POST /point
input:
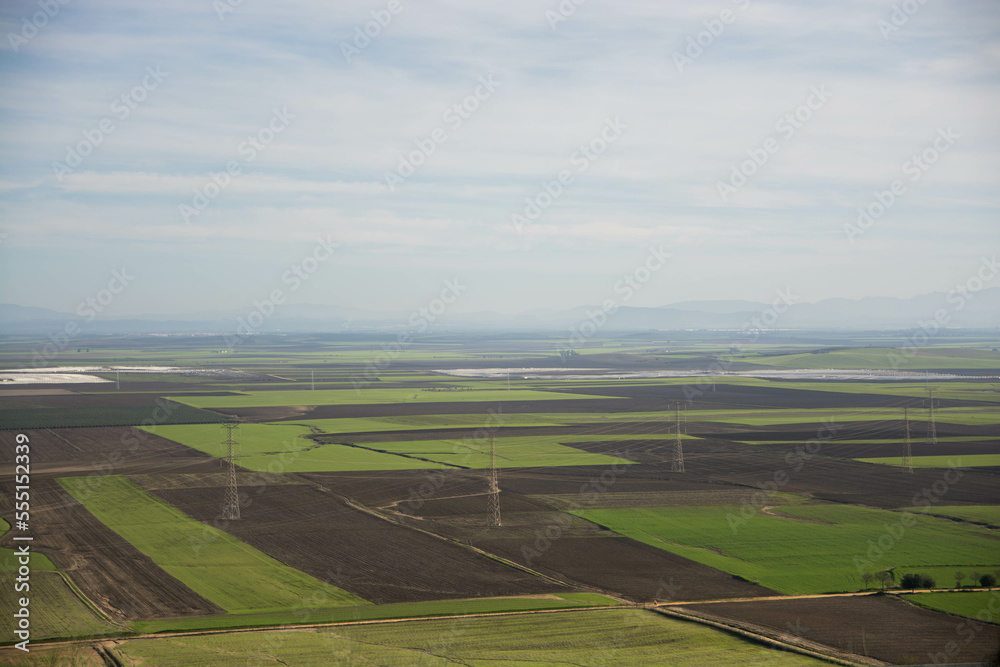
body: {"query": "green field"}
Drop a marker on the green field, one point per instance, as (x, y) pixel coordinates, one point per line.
(365, 396)
(981, 605)
(965, 461)
(211, 562)
(369, 612)
(982, 513)
(599, 637)
(279, 448)
(883, 358)
(811, 548)
(55, 610)
(514, 452)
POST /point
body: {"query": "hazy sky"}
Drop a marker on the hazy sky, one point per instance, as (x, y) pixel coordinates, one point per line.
(116, 114)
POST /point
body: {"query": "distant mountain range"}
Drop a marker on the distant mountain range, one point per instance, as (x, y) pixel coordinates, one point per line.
(972, 310)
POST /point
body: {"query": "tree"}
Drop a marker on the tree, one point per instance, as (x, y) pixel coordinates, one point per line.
(886, 578)
(867, 579)
(916, 580)
(959, 578)
(987, 581)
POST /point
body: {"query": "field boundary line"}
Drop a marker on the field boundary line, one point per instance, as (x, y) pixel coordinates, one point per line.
(773, 642)
(472, 548)
(90, 604)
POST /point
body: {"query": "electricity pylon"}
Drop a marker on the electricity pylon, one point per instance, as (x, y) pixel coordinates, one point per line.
(231, 508)
(907, 451)
(678, 463)
(494, 492)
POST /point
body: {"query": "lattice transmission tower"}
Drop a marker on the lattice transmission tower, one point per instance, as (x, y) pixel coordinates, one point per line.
(907, 451)
(677, 465)
(231, 506)
(494, 491)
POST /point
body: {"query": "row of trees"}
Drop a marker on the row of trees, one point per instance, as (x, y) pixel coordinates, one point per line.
(887, 578)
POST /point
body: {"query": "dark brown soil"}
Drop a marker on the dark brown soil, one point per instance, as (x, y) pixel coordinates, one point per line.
(125, 583)
(881, 627)
(317, 532)
(634, 570)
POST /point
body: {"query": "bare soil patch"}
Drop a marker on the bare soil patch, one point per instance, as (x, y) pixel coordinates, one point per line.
(881, 627)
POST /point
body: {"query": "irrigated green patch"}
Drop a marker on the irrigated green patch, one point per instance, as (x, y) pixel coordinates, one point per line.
(980, 605)
(369, 612)
(375, 395)
(964, 461)
(598, 637)
(809, 548)
(211, 562)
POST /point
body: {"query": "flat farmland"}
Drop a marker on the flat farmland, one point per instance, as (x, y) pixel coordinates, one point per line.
(267, 447)
(620, 565)
(983, 606)
(231, 574)
(883, 627)
(319, 533)
(56, 611)
(598, 637)
(125, 583)
(368, 396)
(805, 548)
(952, 461)
(989, 514)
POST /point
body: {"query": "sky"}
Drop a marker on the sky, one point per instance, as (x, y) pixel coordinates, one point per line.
(207, 155)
